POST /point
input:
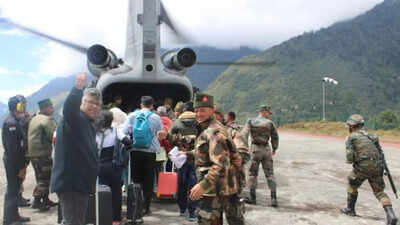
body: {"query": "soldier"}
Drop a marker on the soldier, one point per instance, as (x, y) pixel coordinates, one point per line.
(40, 134)
(14, 160)
(241, 145)
(219, 114)
(178, 110)
(183, 134)
(116, 103)
(24, 122)
(363, 151)
(262, 130)
(168, 104)
(216, 160)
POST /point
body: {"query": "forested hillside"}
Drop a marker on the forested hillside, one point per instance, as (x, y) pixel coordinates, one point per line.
(363, 54)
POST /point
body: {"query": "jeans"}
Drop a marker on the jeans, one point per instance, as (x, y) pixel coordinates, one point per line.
(186, 181)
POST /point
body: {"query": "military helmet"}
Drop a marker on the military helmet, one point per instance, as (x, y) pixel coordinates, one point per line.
(17, 103)
(355, 119)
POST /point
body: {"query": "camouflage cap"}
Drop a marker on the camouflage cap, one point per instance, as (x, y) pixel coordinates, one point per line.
(265, 108)
(355, 119)
(179, 107)
(203, 100)
(44, 103)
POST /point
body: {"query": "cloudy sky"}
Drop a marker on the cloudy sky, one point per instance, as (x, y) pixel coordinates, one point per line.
(27, 62)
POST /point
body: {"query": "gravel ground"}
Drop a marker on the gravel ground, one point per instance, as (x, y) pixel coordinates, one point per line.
(311, 176)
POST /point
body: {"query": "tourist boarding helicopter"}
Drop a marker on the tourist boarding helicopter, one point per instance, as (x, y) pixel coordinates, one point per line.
(143, 70)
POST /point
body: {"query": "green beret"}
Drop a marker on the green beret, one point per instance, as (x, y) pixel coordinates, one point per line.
(203, 100)
(44, 103)
(265, 108)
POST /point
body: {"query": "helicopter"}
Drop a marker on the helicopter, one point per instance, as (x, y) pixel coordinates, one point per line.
(143, 70)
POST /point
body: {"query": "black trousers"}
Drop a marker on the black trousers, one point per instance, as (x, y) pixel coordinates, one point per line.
(186, 181)
(10, 213)
(142, 170)
(111, 176)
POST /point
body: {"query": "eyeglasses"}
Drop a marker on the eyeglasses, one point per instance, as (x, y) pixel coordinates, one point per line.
(93, 103)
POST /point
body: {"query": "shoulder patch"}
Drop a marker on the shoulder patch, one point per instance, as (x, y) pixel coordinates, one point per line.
(12, 128)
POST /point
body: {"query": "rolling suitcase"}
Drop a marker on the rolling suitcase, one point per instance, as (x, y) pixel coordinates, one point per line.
(135, 200)
(167, 186)
(99, 212)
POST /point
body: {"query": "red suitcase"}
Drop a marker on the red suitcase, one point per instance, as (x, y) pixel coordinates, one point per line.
(167, 186)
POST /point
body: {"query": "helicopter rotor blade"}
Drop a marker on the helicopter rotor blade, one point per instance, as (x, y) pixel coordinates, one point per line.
(268, 64)
(167, 20)
(68, 44)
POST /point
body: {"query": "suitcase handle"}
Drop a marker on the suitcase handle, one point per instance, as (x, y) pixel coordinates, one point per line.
(172, 169)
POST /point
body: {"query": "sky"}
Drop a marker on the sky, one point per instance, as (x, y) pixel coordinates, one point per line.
(28, 62)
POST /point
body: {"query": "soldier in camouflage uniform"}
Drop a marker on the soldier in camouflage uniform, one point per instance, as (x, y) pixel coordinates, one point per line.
(234, 130)
(216, 160)
(183, 134)
(362, 150)
(168, 104)
(262, 130)
(241, 145)
(178, 110)
(40, 134)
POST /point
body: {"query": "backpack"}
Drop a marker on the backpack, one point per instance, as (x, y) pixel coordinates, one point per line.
(121, 153)
(141, 132)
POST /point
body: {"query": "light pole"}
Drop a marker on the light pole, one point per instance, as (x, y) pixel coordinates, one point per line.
(325, 80)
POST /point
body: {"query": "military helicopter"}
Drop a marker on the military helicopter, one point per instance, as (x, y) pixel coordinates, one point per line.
(143, 70)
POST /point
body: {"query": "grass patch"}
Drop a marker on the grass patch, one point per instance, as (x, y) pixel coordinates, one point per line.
(338, 129)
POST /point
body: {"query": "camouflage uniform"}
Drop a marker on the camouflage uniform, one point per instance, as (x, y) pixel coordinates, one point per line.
(362, 151)
(216, 160)
(241, 145)
(40, 134)
(261, 130)
(367, 165)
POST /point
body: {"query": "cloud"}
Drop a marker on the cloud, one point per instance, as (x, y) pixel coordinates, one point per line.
(6, 94)
(13, 32)
(5, 71)
(222, 23)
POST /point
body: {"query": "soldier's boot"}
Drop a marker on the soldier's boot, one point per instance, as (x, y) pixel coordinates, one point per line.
(351, 203)
(274, 201)
(391, 218)
(252, 199)
(48, 202)
(38, 204)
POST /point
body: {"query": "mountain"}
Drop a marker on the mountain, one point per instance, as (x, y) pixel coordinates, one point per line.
(202, 76)
(3, 109)
(363, 54)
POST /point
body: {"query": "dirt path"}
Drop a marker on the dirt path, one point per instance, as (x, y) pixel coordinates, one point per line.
(311, 176)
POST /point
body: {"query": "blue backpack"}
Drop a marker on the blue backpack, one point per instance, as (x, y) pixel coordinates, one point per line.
(141, 132)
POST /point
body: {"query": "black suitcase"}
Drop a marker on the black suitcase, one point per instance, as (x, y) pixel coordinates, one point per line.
(135, 201)
(99, 208)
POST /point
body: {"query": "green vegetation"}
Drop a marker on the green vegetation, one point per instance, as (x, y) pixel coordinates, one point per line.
(363, 54)
(337, 129)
